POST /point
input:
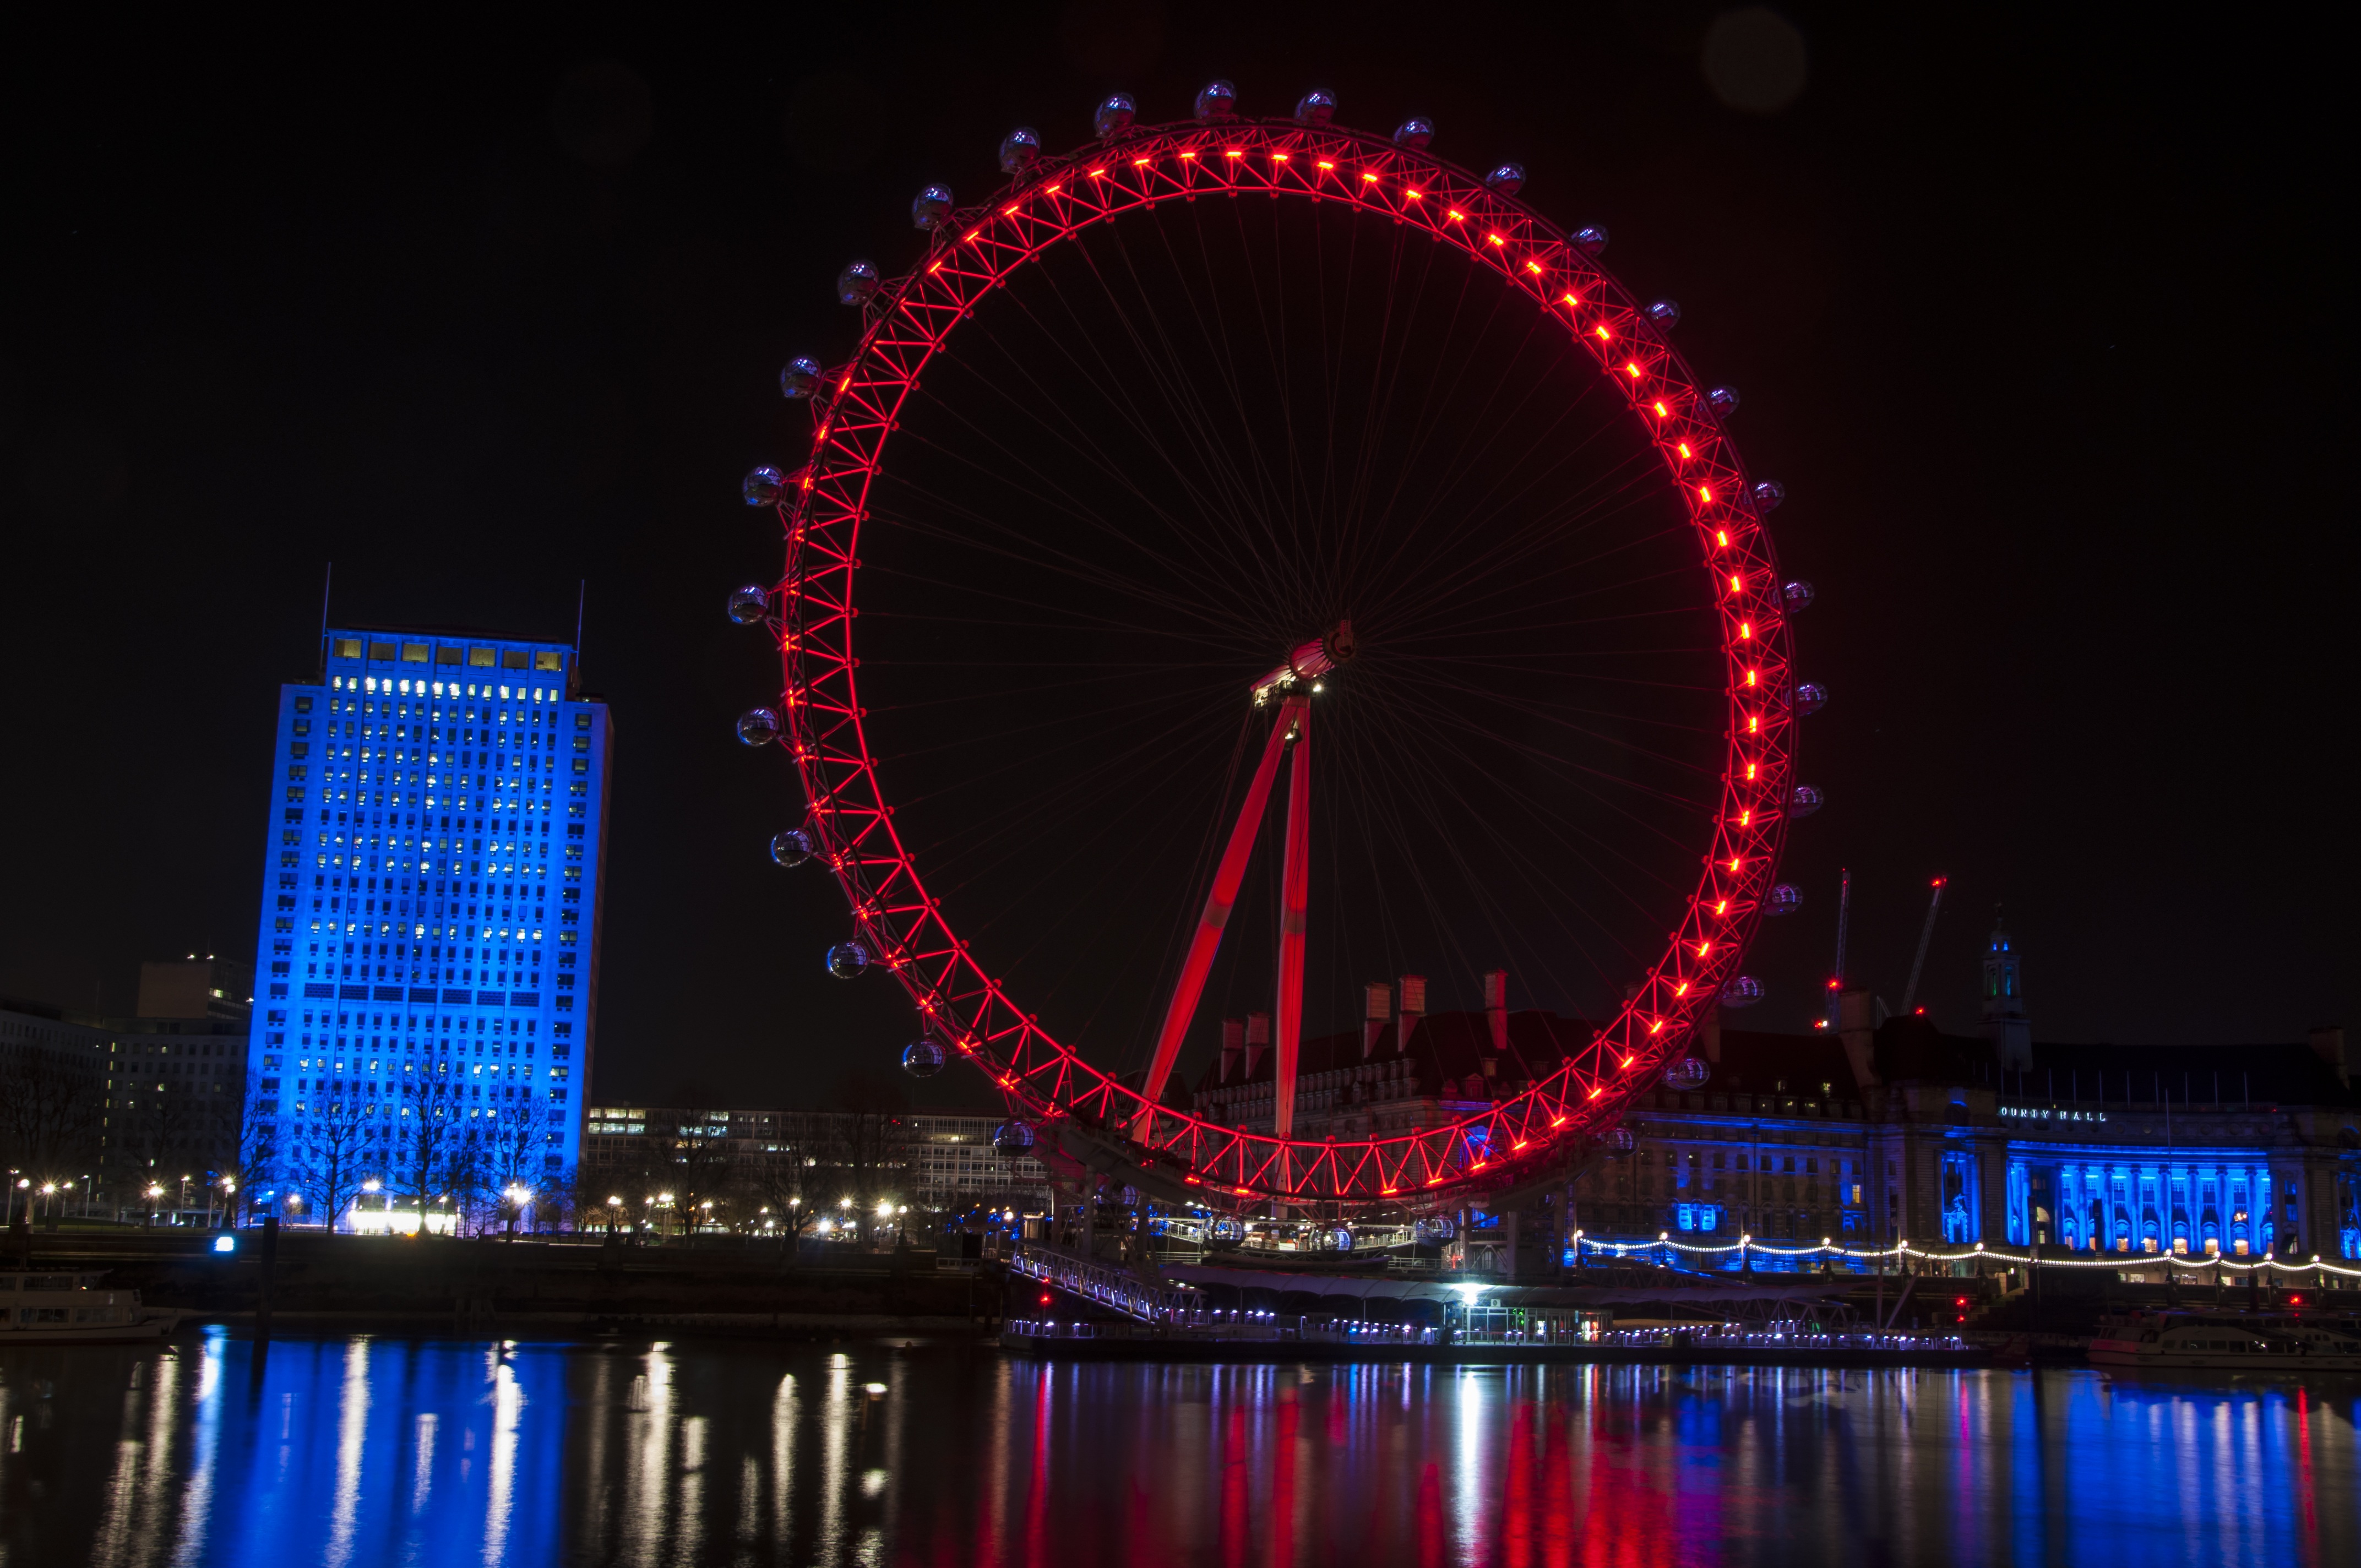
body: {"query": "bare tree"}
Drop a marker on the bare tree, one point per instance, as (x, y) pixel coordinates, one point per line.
(865, 1133)
(512, 1147)
(49, 1115)
(587, 1190)
(256, 1159)
(161, 1137)
(48, 1112)
(466, 1174)
(326, 1157)
(701, 1167)
(782, 1184)
(422, 1151)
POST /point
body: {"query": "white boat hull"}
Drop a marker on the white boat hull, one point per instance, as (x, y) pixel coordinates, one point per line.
(152, 1326)
(2131, 1356)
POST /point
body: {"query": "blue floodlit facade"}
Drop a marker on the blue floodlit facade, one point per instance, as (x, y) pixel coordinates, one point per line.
(2194, 1202)
(1884, 1130)
(429, 940)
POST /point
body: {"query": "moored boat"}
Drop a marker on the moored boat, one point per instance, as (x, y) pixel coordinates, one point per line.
(2177, 1342)
(45, 1307)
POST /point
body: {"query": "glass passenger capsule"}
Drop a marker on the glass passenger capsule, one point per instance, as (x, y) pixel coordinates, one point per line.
(758, 726)
(799, 378)
(1804, 801)
(1799, 595)
(1665, 313)
(1113, 116)
(763, 487)
(1591, 240)
(1414, 133)
(1722, 400)
(1810, 697)
(750, 605)
(1786, 899)
(922, 1058)
(931, 206)
(857, 285)
(1768, 495)
(1508, 179)
(847, 959)
(792, 846)
(1019, 149)
(1744, 990)
(1217, 101)
(1315, 108)
(1619, 1143)
(1688, 1074)
(1013, 1139)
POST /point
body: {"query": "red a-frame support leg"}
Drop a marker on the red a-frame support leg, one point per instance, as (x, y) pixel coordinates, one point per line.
(1294, 719)
(1295, 897)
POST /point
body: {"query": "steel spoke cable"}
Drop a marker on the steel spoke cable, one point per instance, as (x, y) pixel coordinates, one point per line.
(1458, 720)
(1427, 800)
(1555, 823)
(1440, 786)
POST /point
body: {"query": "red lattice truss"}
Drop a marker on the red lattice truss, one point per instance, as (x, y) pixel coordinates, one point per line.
(914, 317)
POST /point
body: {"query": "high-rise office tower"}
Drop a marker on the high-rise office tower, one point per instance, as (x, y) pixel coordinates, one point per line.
(427, 965)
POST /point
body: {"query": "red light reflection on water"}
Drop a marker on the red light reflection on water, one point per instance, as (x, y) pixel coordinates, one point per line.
(1575, 1467)
(384, 1453)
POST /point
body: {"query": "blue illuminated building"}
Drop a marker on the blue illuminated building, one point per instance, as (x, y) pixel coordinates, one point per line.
(425, 1009)
(1888, 1129)
(1881, 1130)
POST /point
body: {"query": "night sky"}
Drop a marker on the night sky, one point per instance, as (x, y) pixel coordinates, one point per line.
(2041, 323)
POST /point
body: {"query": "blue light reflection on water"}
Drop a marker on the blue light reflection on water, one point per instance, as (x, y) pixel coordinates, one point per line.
(360, 1452)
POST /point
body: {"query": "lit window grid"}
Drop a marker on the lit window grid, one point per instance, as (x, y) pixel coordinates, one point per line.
(398, 726)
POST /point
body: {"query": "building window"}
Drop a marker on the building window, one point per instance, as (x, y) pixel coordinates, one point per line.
(1959, 1197)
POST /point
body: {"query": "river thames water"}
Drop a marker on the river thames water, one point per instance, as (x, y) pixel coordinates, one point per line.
(361, 1451)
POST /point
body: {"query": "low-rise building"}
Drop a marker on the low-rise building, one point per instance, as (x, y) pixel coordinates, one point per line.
(936, 1160)
(1885, 1129)
(115, 1106)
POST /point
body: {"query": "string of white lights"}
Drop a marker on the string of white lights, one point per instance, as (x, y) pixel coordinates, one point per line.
(1979, 1253)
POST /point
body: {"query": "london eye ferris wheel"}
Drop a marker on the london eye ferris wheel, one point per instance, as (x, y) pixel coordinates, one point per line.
(1247, 558)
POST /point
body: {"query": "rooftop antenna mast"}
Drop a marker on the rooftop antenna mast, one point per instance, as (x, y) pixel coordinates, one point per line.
(1844, 918)
(327, 587)
(1925, 933)
(581, 598)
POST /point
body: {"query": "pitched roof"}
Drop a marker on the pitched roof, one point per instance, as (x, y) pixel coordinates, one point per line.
(1443, 1045)
(2202, 1075)
(1758, 1061)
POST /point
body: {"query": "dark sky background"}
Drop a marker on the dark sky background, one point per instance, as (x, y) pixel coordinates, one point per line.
(2040, 320)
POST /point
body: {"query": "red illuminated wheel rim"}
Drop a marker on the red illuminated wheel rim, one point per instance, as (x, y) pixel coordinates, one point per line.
(913, 323)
